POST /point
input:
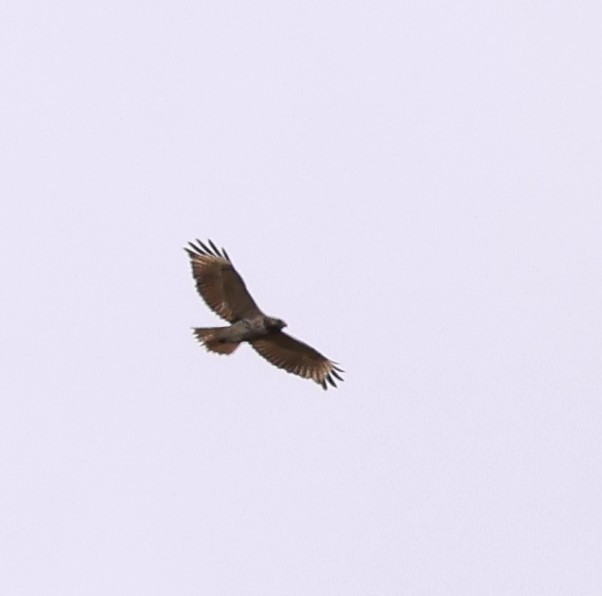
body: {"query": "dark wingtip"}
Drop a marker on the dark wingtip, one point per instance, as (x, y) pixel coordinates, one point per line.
(216, 251)
(209, 249)
(331, 381)
(199, 247)
(336, 375)
(206, 249)
(193, 250)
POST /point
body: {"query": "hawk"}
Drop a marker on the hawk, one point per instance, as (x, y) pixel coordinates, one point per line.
(225, 292)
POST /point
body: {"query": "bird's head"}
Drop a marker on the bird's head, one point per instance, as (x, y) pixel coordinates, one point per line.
(276, 324)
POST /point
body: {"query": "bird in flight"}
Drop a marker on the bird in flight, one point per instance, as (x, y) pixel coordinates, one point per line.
(225, 292)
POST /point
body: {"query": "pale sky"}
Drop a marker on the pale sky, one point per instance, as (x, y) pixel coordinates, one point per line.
(415, 187)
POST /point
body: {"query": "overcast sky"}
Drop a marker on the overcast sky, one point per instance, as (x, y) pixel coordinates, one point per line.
(415, 187)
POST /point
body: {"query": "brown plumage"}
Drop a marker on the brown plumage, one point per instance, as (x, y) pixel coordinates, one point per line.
(225, 292)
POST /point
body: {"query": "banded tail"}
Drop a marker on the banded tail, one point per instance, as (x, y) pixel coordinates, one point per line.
(214, 339)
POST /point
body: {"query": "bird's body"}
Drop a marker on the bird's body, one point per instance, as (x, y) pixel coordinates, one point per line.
(248, 330)
(224, 291)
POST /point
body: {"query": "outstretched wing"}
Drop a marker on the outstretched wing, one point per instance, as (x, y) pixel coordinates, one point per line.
(219, 284)
(298, 358)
